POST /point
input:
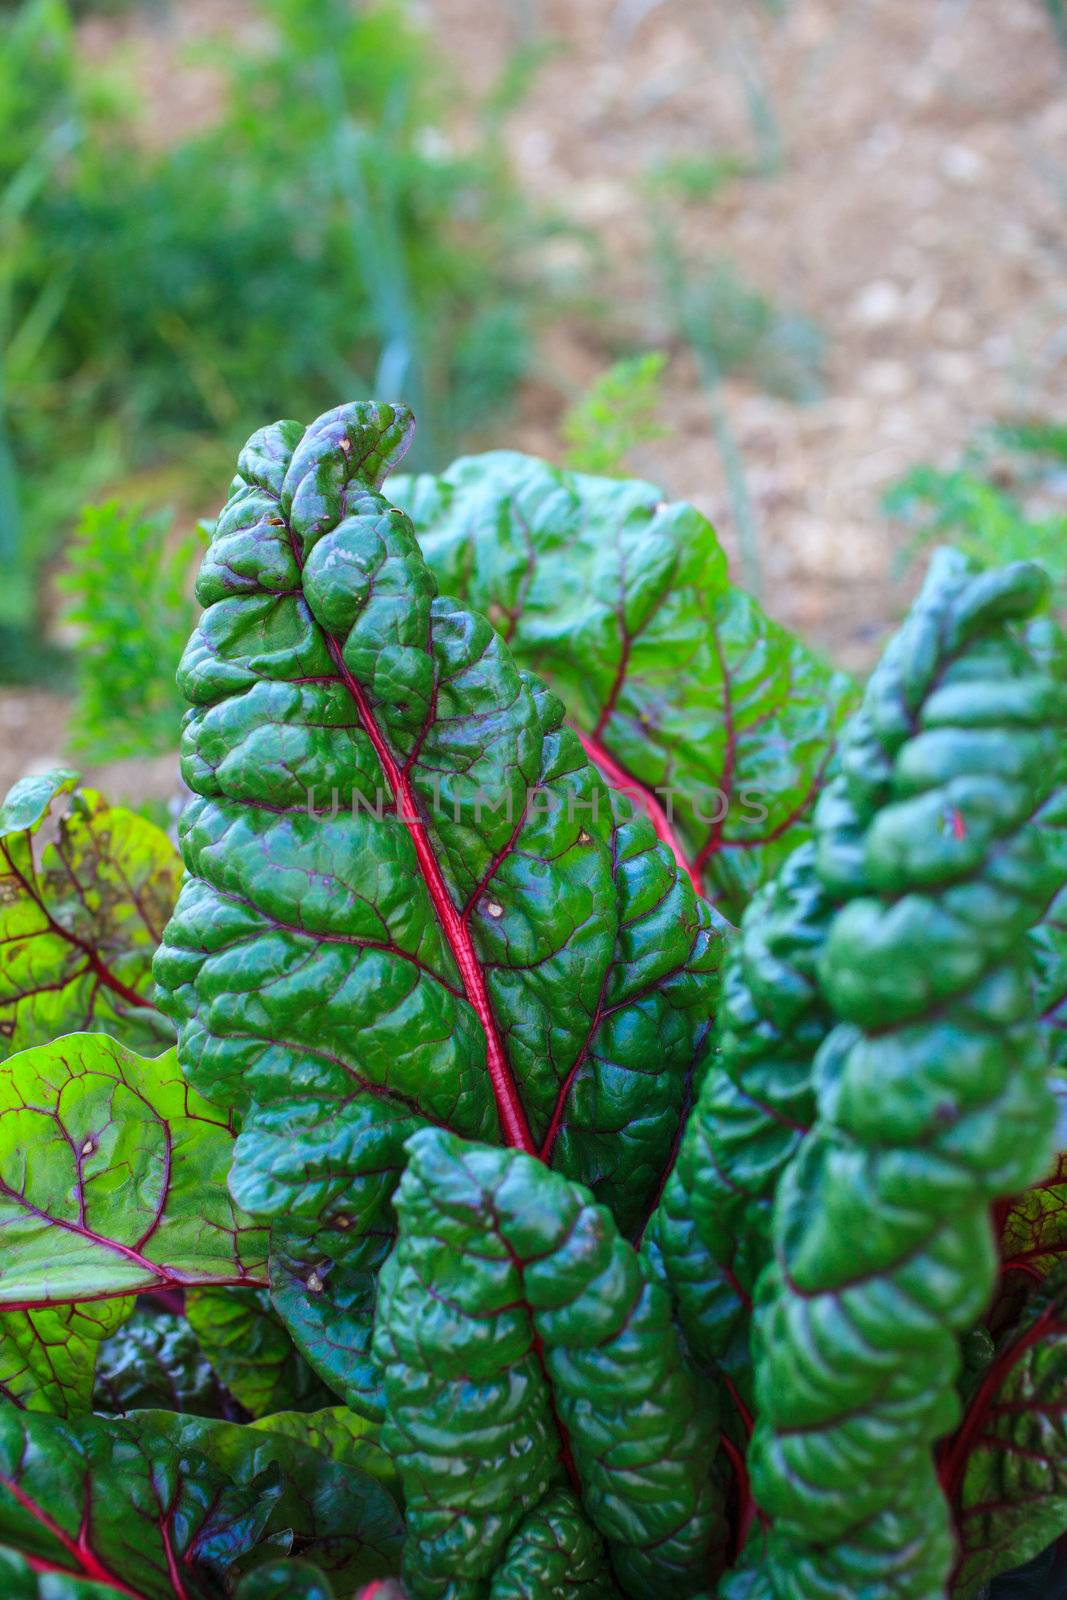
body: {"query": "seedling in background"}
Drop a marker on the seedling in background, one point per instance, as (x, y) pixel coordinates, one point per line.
(322, 230)
(622, 410)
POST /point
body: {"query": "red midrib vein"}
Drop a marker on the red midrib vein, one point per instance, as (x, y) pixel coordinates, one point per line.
(88, 1563)
(953, 1464)
(620, 779)
(513, 1121)
(96, 964)
(509, 1106)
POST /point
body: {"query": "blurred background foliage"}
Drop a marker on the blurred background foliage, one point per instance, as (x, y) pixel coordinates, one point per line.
(345, 220)
(323, 237)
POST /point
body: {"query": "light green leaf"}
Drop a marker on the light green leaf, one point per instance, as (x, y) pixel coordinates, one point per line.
(112, 1179)
(81, 914)
(48, 1356)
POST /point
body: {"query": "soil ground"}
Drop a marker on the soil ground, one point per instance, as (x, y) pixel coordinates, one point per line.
(917, 215)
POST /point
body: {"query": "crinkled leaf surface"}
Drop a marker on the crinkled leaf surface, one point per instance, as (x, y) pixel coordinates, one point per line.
(156, 1362)
(1049, 939)
(522, 1344)
(81, 914)
(112, 1179)
(931, 1090)
(712, 1230)
(554, 1554)
(48, 1356)
(248, 1346)
(1005, 1472)
(1050, 954)
(324, 1280)
(473, 940)
(112, 1501)
(719, 723)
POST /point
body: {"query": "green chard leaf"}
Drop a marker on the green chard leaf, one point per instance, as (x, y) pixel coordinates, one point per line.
(1005, 1472)
(554, 1555)
(931, 1092)
(471, 938)
(1049, 942)
(1033, 1227)
(114, 1503)
(341, 1434)
(524, 1348)
(155, 1361)
(112, 1179)
(712, 1231)
(247, 1345)
(708, 715)
(48, 1356)
(327, 1509)
(81, 914)
(160, 1505)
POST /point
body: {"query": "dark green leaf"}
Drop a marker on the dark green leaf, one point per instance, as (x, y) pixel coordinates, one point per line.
(80, 917)
(931, 1091)
(554, 1555)
(114, 1502)
(340, 1435)
(522, 1344)
(19, 1581)
(1050, 957)
(472, 940)
(299, 1580)
(335, 1514)
(155, 1361)
(713, 1227)
(289, 1580)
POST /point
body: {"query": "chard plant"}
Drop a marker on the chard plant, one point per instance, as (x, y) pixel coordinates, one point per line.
(461, 1207)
